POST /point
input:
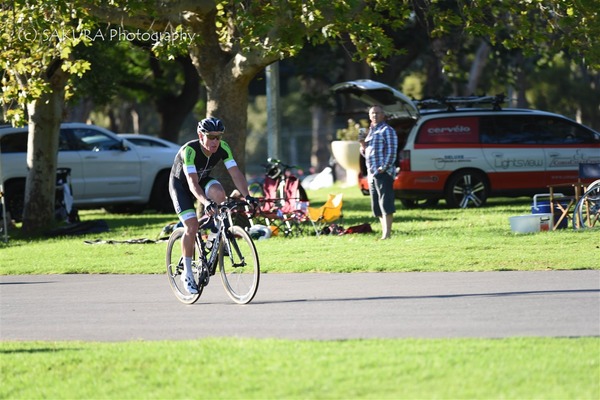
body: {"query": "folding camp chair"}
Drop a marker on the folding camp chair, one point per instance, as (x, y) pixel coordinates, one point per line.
(329, 212)
(283, 210)
(562, 206)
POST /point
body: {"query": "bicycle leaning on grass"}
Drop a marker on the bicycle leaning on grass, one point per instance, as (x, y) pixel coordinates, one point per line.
(227, 245)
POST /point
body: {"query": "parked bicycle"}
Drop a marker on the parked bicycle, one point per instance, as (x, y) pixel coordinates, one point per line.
(282, 200)
(227, 245)
(587, 210)
(277, 174)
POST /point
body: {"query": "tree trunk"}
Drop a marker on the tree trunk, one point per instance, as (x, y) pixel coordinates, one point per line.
(521, 82)
(45, 115)
(227, 76)
(225, 102)
(477, 67)
(322, 135)
(175, 107)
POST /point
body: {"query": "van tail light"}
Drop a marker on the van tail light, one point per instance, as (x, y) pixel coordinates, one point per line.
(404, 160)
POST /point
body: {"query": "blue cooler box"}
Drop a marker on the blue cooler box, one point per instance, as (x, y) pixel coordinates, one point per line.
(543, 207)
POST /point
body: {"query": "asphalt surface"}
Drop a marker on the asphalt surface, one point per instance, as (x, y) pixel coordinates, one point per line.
(305, 306)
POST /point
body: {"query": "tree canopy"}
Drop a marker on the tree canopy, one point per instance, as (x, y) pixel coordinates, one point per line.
(230, 42)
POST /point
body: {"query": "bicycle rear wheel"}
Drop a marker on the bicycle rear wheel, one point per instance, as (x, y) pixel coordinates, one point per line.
(175, 268)
(587, 210)
(239, 265)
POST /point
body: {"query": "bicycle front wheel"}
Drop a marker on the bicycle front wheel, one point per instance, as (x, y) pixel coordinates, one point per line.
(238, 262)
(175, 268)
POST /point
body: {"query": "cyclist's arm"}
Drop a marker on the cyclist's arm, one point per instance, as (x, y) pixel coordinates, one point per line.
(239, 180)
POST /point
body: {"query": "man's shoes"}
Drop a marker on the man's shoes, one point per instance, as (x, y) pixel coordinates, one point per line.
(189, 284)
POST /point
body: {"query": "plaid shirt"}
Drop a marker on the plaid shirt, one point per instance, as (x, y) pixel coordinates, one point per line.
(381, 149)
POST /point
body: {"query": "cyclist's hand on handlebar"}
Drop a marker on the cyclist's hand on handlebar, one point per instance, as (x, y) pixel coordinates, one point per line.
(251, 201)
(210, 207)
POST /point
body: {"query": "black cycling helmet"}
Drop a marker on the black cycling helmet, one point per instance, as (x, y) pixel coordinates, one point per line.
(212, 124)
(274, 171)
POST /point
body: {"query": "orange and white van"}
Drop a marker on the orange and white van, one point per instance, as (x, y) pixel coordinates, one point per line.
(466, 154)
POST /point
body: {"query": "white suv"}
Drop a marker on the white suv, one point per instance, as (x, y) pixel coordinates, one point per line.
(465, 155)
(106, 170)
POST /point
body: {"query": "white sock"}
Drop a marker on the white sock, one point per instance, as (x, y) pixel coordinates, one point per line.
(187, 266)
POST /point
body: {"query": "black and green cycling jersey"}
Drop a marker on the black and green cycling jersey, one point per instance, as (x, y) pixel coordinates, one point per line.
(190, 158)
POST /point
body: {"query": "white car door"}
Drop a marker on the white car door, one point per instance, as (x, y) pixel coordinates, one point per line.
(109, 171)
(69, 157)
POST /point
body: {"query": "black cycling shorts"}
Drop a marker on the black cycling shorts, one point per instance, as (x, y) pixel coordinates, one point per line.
(183, 199)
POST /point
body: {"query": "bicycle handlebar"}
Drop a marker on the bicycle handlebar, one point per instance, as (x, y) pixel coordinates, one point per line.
(231, 203)
(272, 162)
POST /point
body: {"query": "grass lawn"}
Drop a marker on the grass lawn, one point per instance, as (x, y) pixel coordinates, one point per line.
(229, 368)
(436, 239)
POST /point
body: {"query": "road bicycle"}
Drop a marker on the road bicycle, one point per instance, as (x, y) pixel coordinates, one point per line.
(277, 174)
(282, 200)
(225, 244)
(587, 210)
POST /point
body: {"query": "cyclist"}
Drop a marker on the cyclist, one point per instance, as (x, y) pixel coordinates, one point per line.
(190, 180)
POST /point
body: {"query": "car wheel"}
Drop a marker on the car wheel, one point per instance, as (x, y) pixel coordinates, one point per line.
(467, 189)
(160, 199)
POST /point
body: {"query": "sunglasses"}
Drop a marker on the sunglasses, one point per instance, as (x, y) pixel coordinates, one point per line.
(212, 137)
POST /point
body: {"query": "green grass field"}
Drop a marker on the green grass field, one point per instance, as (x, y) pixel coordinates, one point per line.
(436, 239)
(515, 368)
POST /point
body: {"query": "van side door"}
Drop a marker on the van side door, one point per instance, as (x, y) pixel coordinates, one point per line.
(567, 144)
(512, 148)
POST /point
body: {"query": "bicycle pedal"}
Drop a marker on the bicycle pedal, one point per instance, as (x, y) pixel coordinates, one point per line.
(204, 282)
(204, 277)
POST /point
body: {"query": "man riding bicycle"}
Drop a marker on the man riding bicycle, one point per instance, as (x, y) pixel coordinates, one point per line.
(190, 180)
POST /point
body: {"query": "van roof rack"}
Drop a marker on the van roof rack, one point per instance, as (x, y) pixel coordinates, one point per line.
(451, 103)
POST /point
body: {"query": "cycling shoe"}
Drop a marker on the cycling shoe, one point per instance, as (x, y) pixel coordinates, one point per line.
(189, 284)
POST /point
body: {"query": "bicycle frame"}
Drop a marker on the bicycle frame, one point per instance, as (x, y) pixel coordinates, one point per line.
(222, 220)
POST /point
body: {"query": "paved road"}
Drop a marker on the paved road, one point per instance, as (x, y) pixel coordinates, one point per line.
(305, 306)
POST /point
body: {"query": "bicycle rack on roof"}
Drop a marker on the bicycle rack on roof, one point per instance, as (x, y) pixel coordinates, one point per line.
(451, 103)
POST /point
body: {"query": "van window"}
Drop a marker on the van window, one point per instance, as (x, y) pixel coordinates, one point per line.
(510, 129)
(562, 131)
(449, 130)
(533, 129)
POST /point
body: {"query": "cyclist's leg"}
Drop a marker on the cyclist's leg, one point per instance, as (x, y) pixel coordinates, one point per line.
(183, 201)
(214, 190)
(188, 242)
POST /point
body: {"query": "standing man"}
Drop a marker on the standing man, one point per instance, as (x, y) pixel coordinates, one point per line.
(380, 149)
(190, 181)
